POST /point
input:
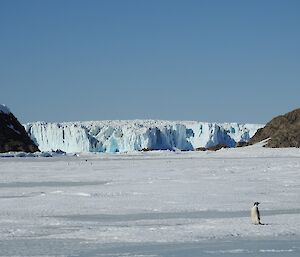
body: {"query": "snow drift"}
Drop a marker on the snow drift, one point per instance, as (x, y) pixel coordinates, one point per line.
(136, 135)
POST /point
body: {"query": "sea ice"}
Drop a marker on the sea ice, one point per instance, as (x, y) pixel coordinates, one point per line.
(151, 204)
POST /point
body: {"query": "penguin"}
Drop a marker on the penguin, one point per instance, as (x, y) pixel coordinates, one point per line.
(255, 216)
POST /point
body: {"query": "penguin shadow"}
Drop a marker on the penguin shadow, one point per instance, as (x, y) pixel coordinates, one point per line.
(267, 213)
(265, 224)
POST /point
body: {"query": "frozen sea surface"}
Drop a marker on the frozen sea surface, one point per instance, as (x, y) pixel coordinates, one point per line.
(151, 204)
(213, 248)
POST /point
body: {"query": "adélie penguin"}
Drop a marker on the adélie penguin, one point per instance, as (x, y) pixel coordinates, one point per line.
(255, 216)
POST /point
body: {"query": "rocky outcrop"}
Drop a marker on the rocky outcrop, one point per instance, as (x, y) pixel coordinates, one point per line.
(282, 131)
(13, 137)
(212, 148)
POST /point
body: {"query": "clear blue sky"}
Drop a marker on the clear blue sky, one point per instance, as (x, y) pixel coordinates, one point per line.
(64, 60)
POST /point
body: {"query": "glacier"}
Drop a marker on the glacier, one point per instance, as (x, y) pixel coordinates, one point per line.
(136, 135)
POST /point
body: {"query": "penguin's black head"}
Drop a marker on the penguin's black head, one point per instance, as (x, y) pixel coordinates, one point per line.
(256, 203)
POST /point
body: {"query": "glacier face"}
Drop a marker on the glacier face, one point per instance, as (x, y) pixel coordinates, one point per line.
(136, 135)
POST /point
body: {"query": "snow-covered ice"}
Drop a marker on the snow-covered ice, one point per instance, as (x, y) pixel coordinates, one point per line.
(136, 135)
(151, 204)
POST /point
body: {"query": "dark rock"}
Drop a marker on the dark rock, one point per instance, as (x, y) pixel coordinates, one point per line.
(282, 131)
(241, 144)
(201, 149)
(13, 137)
(212, 148)
(217, 147)
(146, 150)
(58, 151)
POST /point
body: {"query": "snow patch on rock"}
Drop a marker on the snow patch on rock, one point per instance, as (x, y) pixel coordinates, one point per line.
(4, 109)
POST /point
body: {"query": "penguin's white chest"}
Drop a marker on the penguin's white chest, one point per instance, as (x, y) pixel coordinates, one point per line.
(255, 215)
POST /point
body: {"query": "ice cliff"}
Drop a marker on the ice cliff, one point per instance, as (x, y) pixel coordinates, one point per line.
(136, 135)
